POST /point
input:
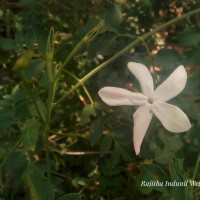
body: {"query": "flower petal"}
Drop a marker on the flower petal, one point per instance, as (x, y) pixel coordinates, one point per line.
(142, 118)
(143, 76)
(172, 86)
(114, 96)
(172, 117)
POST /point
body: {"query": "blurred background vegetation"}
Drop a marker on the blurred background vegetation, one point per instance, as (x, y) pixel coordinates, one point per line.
(91, 152)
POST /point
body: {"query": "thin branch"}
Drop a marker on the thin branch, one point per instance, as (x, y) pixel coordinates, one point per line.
(78, 153)
(127, 48)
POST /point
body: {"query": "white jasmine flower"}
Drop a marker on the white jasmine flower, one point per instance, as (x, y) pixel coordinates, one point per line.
(151, 101)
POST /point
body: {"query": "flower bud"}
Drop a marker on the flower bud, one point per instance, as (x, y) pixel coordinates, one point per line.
(23, 61)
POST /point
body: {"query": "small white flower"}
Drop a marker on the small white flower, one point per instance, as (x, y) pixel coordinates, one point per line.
(151, 101)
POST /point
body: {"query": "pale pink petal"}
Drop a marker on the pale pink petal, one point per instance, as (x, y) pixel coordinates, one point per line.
(172, 117)
(143, 76)
(114, 96)
(172, 86)
(142, 118)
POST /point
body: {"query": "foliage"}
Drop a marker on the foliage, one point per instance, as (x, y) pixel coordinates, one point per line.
(58, 140)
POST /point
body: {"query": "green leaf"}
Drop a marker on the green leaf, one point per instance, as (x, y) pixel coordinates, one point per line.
(21, 111)
(189, 190)
(41, 106)
(23, 61)
(142, 58)
(27, 3)
(1, 13)
(151, 174)
(62, 51)
(44, 81)
(173, 173)
(105, 145)
(189, 193)
(19, 39)
(96, 131)
(30, 134)
(148, 3)
(88, 111)
(7, 44)
(96, 47)
(161, 156)
(16, 162)
(191, 57)
(36, 183)
(30, 38)
(168, 58)
(126, 154)
(166, 197)
(18, 94)
(193, 132)
(109, 169)
(177, 192)
(144, 190)
(113, 17)
(189, 37)
(6, 119)
(171, 143)
(4, 103)
(14, 90)
(43, 41)
(70, 196)
(115, 154)
(35, 69)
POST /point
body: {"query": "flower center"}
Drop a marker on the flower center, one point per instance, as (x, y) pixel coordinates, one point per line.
(150, 100)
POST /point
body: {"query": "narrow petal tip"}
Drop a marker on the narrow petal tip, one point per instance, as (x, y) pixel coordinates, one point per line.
(142, 118)
(137, 150)
(173, 85)
(186, 126)
(143, 75)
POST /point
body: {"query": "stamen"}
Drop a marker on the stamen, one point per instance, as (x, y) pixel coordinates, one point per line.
(150, 100)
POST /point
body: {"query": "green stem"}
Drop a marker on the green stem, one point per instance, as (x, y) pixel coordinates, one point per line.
(46, 142)
(47, 155)
(52, 89)
(52, 76)
(88, 94)
(50, 102)
(152, 58)
(49, 68)
(2, 186)
(196, 167)
(126, 35)
(127, 48)
(51, 94)
(27, 85)
(147, 48)
(75, 49)
(88, 37)
(84, 88)
(9, 153)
